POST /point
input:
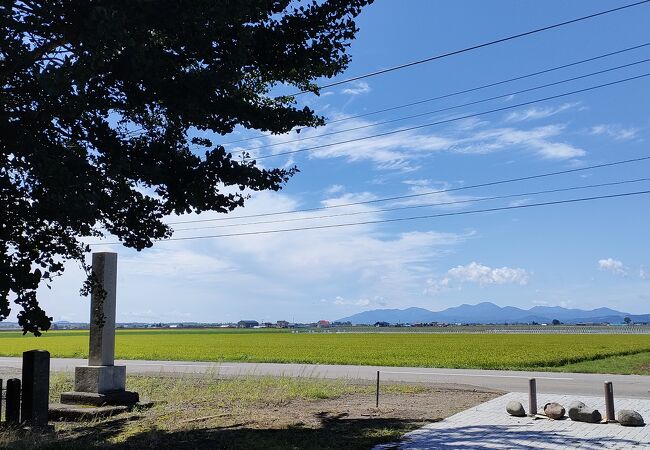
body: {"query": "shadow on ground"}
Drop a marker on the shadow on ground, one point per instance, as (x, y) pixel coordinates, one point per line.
(336, 432)
(505, 437)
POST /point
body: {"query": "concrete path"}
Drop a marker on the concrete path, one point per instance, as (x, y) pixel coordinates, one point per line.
(631, 386)
(488, 426)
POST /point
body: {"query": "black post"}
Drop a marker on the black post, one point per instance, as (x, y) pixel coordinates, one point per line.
(377, 398)
(36, 387)
(609, 402)
(12, 414)
(532, 397)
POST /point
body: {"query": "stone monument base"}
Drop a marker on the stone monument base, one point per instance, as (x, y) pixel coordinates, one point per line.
(100, 386)
(126, 398)
(99, 379)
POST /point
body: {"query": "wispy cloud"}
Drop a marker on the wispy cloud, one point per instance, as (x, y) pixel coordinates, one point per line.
(616, 132)
(358, 88)
(421, 187)
(334, 189)
(363, 302)
(400, 150)
(541, 140)
(536, 113)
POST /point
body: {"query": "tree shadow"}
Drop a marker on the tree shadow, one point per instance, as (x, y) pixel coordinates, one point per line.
(504, 437)
(336, 432)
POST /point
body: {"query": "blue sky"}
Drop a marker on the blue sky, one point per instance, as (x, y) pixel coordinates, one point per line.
(578, 255)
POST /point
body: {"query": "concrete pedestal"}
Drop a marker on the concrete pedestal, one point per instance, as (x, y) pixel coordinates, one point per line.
(99, 379)
(123, 398)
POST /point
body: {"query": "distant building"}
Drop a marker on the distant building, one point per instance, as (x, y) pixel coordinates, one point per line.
(248, 324)
(282, 324)
(382, 324)
(323, 324)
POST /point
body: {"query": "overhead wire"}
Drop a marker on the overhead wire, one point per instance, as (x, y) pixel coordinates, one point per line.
(422, 194)
(463, 91)
(426, 205)
(454, 119)
(476, 46)
(449, 108)
(399, 219)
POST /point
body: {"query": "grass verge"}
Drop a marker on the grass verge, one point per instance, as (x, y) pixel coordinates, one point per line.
(634, 364)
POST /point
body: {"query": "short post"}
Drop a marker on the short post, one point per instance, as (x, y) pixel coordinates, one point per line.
(377, 397)
(36, 387)
(532, 397)
(609, 402)
(12, 412)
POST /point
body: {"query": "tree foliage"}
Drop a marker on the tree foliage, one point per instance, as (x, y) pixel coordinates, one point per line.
(104, 109)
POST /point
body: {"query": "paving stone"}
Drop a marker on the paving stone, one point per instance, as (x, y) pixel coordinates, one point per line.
(487, 426)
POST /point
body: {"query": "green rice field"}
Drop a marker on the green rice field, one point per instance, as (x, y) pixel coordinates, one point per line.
(591, 353)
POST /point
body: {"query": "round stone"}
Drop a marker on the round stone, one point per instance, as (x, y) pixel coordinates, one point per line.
(554, 410)
(629, 418)
(515, 409)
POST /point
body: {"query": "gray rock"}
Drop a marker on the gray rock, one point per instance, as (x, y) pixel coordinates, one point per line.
(554, 410)
(515, 409)
(580, 412)
(629, 418)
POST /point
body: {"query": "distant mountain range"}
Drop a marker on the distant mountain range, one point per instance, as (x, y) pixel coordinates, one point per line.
(487, 313)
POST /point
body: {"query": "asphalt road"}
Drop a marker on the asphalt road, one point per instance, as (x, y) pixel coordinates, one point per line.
(626, 386)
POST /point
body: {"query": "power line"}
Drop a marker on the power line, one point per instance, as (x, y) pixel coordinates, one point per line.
(400, 219)
(476, 47)
(449, 108)
(485, 86)
(464, 91)
(428, 205)
(422, 194)
(455, 119)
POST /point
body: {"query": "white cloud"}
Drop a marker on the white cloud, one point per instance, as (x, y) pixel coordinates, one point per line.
(643, 274)
(616, 132)
(536, 113)
(175, 262)
(478, 273)
(612, 265)
(362, 302)
(557, 150)
(276, 275)
(335, 189)
(358, 88)
(434, 285)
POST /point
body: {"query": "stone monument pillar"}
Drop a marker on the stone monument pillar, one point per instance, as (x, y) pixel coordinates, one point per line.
(101, 382)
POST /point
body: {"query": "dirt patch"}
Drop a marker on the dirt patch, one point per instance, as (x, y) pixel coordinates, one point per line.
(432, 404)
(644, 368)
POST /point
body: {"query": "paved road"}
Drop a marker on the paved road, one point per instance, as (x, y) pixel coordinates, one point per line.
(626, 386)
